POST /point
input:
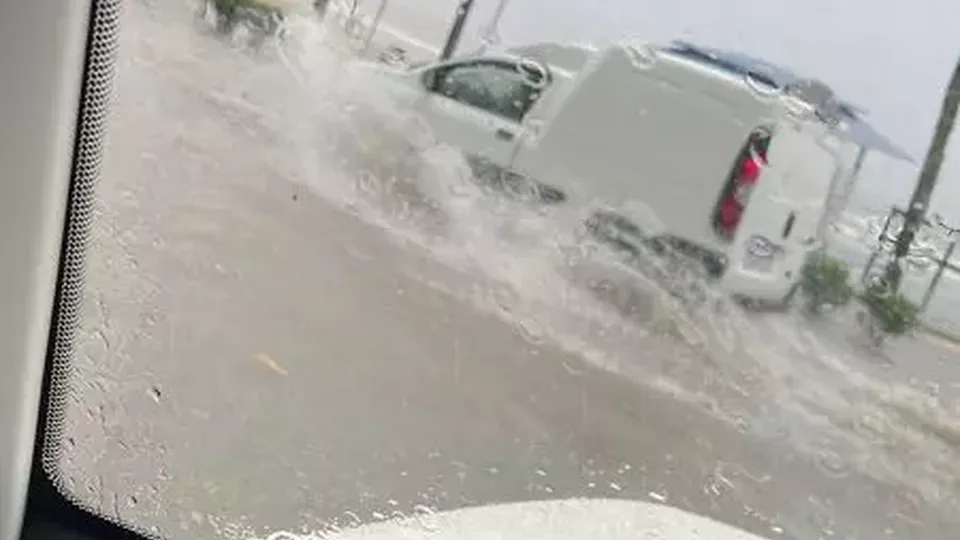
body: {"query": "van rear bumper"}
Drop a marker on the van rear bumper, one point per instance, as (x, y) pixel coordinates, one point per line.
(768, 287)
(731, 277)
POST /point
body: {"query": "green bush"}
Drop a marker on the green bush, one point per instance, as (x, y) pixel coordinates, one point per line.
(825, 281)
(893, 313)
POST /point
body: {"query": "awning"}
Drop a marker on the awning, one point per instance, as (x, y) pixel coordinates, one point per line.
(865, 135)
(858, 131)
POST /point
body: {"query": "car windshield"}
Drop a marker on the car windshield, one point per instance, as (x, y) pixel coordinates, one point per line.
(539, 280)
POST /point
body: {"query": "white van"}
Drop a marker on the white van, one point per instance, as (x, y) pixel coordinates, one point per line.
(686, 134)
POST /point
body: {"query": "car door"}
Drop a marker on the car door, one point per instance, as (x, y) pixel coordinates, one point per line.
(784, 219)
(478, 106)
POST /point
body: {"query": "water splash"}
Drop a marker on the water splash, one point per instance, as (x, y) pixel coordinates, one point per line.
(533, 268)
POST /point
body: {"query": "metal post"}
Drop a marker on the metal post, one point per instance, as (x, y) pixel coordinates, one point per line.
(841, 196)
(855, 174)
(374, 25)
(456, 29)
(841, 187)
(881, 241)
(941, 266)
(927, 181)
(489, 35)
(858, 163)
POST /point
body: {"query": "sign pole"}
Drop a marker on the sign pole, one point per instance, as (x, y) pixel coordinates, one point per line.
(456, 29)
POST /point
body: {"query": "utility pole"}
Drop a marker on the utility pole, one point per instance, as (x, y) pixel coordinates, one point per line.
(927, 181)
(456, 29)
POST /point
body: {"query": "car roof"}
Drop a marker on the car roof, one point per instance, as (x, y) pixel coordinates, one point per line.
(571, 57)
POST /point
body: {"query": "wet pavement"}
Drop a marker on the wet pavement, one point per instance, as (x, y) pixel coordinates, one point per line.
(261, 354)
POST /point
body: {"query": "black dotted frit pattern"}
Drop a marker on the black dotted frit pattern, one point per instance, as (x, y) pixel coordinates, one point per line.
(96, 99)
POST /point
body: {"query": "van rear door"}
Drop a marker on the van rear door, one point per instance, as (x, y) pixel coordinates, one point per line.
(784, 219)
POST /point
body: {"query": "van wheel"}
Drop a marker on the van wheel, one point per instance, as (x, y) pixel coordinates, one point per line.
(786, 302)
(782, 305)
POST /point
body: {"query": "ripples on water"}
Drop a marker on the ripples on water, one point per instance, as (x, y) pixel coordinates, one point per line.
(346, 137)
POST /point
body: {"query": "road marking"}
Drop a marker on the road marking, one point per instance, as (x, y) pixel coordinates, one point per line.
(271, 363)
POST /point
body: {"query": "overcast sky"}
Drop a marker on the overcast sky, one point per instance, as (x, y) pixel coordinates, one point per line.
(892, 57)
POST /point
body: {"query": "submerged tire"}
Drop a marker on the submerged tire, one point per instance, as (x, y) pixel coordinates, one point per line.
(786, 302)
(756, 304)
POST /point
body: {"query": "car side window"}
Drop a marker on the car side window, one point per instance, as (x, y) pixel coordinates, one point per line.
(500, 88)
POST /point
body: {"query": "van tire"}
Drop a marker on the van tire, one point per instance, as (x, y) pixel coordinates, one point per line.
(787, 301)
(781, 306)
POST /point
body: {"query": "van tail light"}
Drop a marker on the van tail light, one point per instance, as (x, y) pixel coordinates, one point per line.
(749, 173)
(745, 175)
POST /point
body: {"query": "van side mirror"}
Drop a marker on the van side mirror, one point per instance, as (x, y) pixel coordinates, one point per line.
(535, 73)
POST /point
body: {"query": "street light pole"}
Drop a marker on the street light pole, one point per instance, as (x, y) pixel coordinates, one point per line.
(490, 33)
(927, 181)
(456, 29)
(374, 26)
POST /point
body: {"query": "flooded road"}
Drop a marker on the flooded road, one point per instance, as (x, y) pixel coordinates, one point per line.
(291, 325)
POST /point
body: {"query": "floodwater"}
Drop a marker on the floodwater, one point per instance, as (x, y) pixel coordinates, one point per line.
(302, 313)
